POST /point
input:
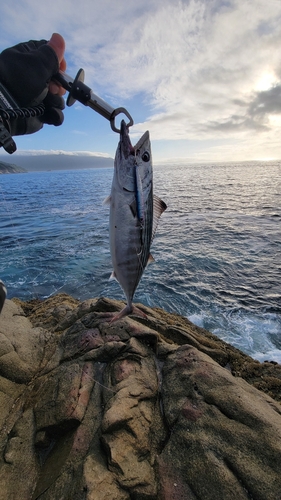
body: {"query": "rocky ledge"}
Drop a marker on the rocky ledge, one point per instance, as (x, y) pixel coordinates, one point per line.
(140, 409)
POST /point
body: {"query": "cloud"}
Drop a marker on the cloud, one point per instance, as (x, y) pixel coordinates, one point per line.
(266, 102)
(198, 64)
(43, 152)
(202, 69)
(256, 113)
(80, 132)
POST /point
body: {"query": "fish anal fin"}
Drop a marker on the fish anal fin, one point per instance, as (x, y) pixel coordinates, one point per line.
(112, 276)
(150, 259)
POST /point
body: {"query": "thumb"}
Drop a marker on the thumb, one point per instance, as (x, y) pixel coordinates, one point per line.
(58, 45)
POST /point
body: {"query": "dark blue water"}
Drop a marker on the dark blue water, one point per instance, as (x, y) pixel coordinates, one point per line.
(217, 249)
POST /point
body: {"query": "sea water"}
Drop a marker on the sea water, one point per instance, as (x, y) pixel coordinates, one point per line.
(217, 249)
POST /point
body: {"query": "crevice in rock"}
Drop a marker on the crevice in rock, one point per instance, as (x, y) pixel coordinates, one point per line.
(53, 459)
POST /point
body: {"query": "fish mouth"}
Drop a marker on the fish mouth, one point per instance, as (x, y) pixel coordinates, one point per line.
(127, 148)
(125, 142)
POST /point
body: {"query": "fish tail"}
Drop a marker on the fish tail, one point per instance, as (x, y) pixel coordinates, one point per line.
(128, 309)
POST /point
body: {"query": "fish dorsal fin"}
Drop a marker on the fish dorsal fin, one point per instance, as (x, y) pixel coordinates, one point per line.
(159, 206)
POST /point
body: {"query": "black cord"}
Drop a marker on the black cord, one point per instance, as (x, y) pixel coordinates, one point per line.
(14, 113)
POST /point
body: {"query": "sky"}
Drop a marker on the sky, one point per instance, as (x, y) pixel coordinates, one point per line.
(203, 76)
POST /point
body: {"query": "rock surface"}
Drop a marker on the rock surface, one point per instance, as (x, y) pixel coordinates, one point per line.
(141, 409)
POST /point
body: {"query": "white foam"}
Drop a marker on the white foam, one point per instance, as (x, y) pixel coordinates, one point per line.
(252, 333)
(270, 355)
(197, 319)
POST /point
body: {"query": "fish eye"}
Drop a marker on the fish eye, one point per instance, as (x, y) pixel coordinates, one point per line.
(146, 156)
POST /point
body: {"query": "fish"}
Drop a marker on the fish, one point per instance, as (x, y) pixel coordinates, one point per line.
(134, 214)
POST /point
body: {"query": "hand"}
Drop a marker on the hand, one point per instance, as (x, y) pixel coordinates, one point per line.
(26, 71)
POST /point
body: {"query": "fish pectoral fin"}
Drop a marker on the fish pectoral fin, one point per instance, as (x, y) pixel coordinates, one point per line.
(133, 207)
(113, 276)
(159, 206)
(107, 200)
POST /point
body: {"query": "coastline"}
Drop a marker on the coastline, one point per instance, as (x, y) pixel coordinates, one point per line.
(50, 162)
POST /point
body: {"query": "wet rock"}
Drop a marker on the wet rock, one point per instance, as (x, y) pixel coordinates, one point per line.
(141, 409)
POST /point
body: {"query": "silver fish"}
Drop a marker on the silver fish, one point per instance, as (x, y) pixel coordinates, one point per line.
(134, 214)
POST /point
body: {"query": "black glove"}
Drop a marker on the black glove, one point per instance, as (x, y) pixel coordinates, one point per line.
(25, 71)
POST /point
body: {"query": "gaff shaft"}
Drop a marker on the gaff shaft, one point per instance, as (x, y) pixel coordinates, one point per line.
(82, 93)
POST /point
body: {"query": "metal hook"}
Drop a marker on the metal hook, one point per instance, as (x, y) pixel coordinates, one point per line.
(117, 112)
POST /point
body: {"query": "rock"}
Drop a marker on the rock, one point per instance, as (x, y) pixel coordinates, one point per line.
(141, 409)
(21, 346)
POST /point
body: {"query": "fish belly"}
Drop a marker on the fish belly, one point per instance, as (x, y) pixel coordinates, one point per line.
(127, 252)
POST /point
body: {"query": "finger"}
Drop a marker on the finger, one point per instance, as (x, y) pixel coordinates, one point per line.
(62, 91)
(56, 89)
(63, 65)
(58, 44)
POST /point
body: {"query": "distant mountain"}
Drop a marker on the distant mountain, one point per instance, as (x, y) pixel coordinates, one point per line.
(32, 163)
(10, 168)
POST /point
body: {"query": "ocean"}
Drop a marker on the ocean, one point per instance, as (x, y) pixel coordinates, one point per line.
(217, 250)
